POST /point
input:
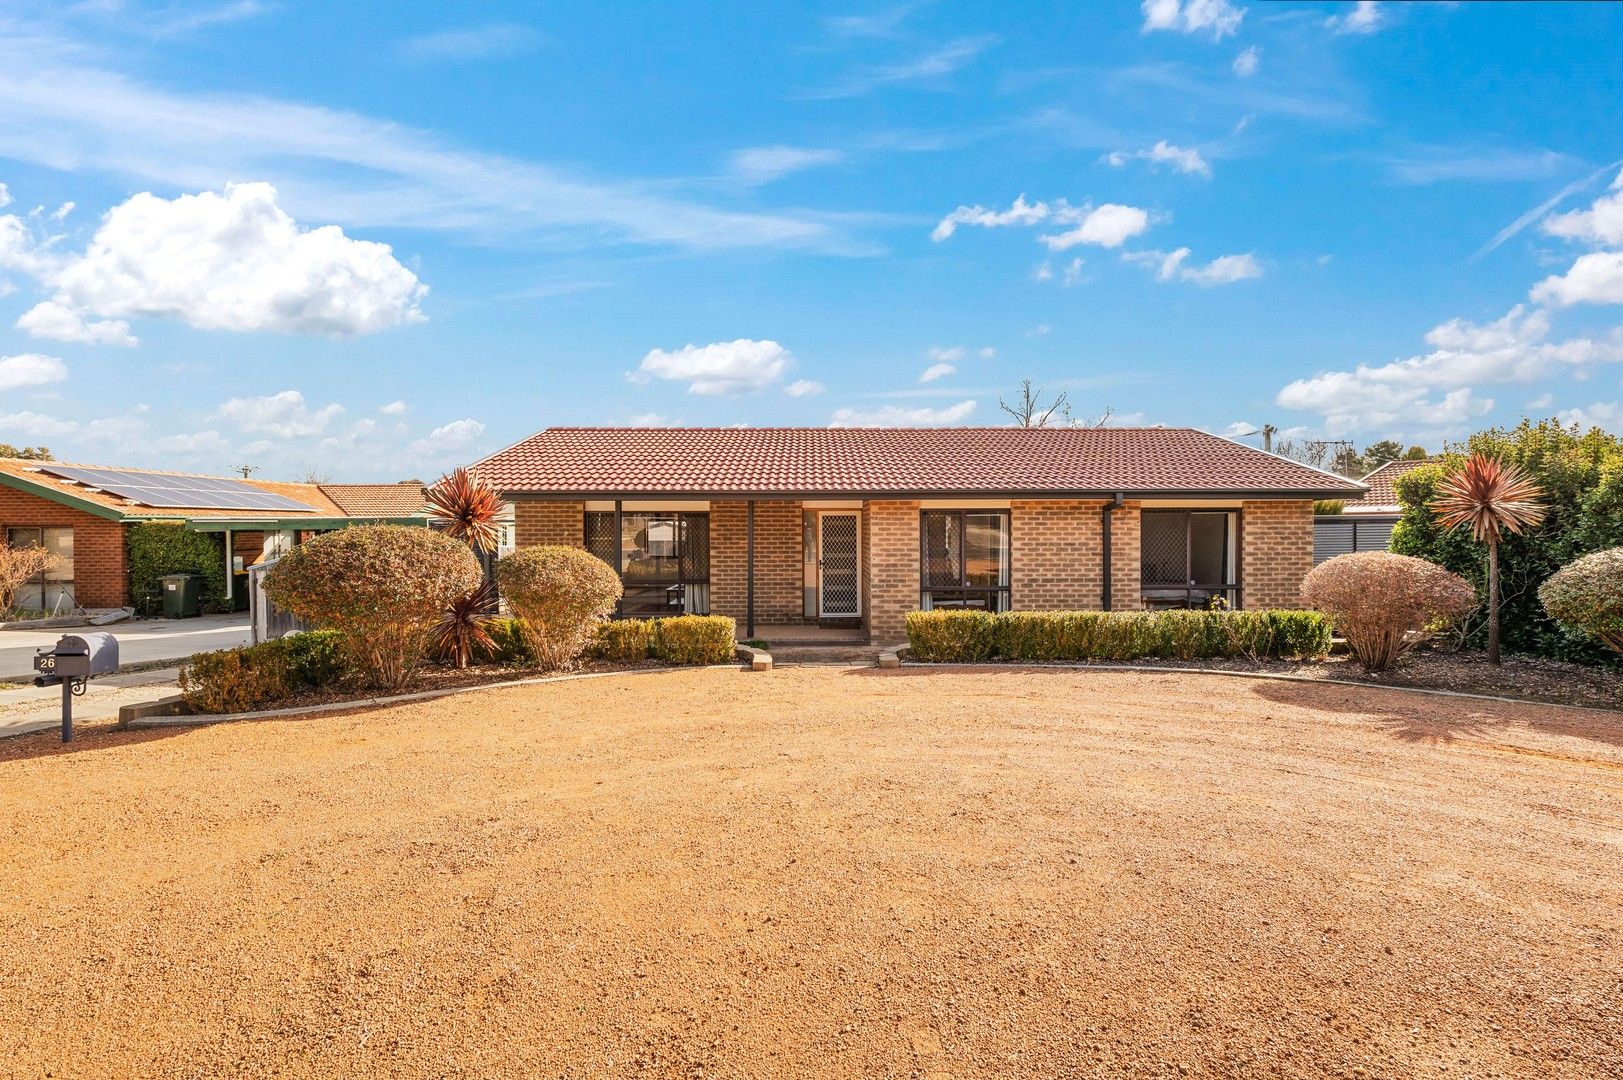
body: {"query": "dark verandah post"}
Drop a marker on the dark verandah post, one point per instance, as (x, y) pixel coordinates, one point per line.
(749, 569)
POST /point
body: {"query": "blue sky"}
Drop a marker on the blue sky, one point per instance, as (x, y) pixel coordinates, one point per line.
(375, 240)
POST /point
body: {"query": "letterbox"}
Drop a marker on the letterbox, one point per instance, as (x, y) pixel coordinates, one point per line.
(79, 656)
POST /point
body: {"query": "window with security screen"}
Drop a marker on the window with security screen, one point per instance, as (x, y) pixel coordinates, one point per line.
(1186, 558)
(663, 559)
(964, 559)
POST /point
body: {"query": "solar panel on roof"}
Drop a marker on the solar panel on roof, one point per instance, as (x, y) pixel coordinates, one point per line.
(177, 492)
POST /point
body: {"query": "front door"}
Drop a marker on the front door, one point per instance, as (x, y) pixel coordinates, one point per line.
(839, 566)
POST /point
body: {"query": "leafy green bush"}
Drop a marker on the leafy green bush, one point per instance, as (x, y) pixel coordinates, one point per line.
(1581, 475)
(560, 594)
(623, 640)
(156, 548)
(961, 636)
(695, 639)
(1586, 596)
(1034, 636)
(259, 676)
(508, 644)
(384, 587)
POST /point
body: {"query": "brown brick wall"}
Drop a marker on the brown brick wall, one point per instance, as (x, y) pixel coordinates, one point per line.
(778, 555)
(249, 545)
(100, 565)
(893, 569)
(542, 522)
(1126, 593)
(1055, 555)
(1276, 552)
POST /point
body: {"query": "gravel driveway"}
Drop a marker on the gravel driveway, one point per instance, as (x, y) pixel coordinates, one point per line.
(825, 872)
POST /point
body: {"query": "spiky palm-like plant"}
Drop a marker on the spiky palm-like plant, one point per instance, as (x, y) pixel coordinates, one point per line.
(468, 508)
(1491, 496)
(462, 632)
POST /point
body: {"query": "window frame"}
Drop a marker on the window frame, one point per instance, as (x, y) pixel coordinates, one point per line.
(1232, 591)
(46, 578)
(677, 589)
(998, 597)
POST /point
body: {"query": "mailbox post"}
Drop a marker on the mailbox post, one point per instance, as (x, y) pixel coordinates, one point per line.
(76, 659)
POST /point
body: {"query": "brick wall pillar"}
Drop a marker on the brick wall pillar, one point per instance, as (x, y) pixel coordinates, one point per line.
(1276, 552)
(1056, 555)
(1126, 570)
(893, 568)
(545, 522)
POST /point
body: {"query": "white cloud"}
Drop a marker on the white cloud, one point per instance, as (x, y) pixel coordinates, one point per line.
(762, 164)
(650, 419)
(1601, 414)
(33, 425)
(284, 415)
(1108, 226)
(1216, 17)
(948, 355)
(803, 388)
(1044, 271)
(1019, 212)
(723, 367)
(232, 261)
(1040, 330)
(193, 444)
(30, 369)
(1165, 153)
(1543, 401)
(472, 42)
(61, 213)
(1073, 272)
(988, 353)
(933, 66)
(1238, 429)
(1245, 64)
(901, 416)
(5, 195)
(457, 435)
(1596, 278)
(937, 371)
(1174, 266)
(50, 319)
(1464, 356)
(1602, 223)
(394, 408)
(1365, 18)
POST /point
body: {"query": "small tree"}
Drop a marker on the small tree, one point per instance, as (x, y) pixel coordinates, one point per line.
(384, 587)
(468, 508)
(1492, 497)
(1377, 600)
(1029, 411)
(1586, 596)
(559, 595)
(464, 627)
(17, 566)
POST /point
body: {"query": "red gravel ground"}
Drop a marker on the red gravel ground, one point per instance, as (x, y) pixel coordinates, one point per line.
(826, 872)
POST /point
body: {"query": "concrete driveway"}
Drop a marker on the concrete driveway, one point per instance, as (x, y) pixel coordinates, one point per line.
(139, 641)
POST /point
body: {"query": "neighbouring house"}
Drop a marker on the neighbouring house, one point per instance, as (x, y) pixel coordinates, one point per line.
(83, 512)
(1365, 522)
(850, 529)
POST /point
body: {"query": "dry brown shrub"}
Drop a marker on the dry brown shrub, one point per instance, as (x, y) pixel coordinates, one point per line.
(1382, 603)
(17, 566)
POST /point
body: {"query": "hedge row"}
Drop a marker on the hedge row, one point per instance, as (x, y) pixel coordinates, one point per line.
(682, 639)
(257, 676)
(970, 636)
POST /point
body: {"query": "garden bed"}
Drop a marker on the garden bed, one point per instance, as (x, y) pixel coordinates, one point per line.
(1460, 671)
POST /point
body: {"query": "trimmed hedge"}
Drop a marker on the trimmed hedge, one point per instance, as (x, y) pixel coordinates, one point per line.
(680, 639)
(509, 644)
(975, 636)
(257, 676)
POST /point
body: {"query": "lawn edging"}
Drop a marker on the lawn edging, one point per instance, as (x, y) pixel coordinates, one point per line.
(205, 719)
(1275, 676)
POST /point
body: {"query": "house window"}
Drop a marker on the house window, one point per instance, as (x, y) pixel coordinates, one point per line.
(964, 559)
(52, 590)
(663, 560)
(1187, 559)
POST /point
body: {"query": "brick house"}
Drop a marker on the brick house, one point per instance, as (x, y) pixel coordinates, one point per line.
(83, 513)
(850, 529)
(1366, 521)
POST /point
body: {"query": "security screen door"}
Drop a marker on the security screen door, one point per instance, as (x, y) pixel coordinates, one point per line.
(840, 569)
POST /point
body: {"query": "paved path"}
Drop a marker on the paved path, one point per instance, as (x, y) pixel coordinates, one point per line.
(139, 641)
(38, 708)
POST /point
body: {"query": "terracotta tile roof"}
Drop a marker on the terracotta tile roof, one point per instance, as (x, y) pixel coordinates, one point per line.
(1382, 493)
(308, 494)
(878, 461)
(378, 500)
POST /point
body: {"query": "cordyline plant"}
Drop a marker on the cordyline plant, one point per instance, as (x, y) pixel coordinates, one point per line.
(559, 594)
(1382, 603)
(17, 566)
(1586, 596)
(468, 508)
(1490, 496)
(384, 587)
(463, 630)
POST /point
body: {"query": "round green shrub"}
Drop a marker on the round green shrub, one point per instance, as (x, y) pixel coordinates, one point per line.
(559, 594)
(383, 587)
(1586, 596)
